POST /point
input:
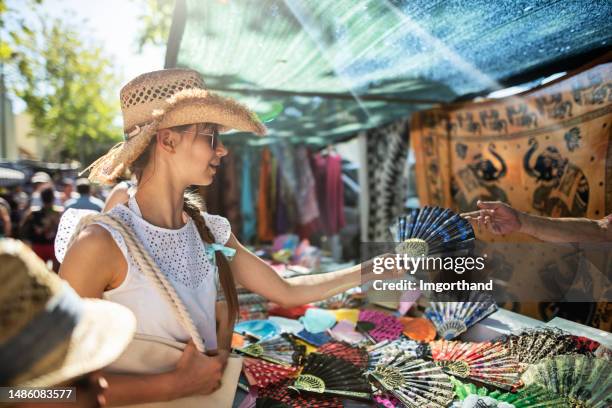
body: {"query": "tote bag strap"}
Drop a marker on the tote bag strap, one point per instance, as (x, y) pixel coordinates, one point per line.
(148, 266)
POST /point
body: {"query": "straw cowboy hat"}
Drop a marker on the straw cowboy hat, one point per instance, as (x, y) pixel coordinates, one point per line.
(48, 334)
(163, 99)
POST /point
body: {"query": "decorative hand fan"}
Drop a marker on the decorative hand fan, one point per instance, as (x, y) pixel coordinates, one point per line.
(415, 382)
(279, 350)
(453, 318)
(279, 396)
(355, 355)
(262, 373)
(489, 363)
(530, 396)
(385, 351)
(378, 326)
(433, 231)
(532, 346)
(581, 380)
(326, 374)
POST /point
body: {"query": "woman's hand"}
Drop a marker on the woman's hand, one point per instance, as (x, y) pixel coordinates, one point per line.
(197, 373)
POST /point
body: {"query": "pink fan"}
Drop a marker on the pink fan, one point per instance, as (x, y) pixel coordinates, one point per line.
(387, 401)
(262, 373)
(379, 326)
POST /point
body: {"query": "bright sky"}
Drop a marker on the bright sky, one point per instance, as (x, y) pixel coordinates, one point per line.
(114, 24)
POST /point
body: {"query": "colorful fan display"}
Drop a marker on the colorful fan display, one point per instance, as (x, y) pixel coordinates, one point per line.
(489, 363)
(433, 231)
(453, 318)
(355, 355)
(415, 382)
(261, 373)
(386, 351)
(581, 380)
(279, 350)
(530, 396)
(326, 374)
(379, 326)
(279, 395)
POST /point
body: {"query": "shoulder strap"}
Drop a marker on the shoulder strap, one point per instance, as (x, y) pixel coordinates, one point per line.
(148, 267)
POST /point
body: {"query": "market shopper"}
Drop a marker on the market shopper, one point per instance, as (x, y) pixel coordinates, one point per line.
(172, 127)
(84, 200)
(49, 337)
(40, 227)
(500, 218)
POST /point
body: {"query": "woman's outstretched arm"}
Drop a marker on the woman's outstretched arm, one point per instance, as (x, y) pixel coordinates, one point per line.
(257, 276)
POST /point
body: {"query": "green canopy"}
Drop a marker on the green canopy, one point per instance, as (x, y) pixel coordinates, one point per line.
(318, 70)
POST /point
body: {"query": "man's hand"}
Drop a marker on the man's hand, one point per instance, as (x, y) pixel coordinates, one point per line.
(497, 217)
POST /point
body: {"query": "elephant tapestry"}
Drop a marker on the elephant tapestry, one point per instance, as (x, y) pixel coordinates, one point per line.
(546, 152)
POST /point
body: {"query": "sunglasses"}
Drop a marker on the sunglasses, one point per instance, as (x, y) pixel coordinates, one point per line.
(206, 132)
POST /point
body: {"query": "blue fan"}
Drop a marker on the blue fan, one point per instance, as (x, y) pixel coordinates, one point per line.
(433, 231)
(453, 318)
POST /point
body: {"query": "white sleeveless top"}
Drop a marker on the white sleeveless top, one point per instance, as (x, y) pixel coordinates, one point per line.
(179, 254)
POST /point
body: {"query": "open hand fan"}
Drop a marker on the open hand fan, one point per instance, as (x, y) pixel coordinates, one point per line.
(353, 354)
(279, 350)
(326, 374)
(385, 351)
(279, 396)
(527, 397)
(532, 346)
(433, 231)
(261, 373)
(378, 326)
(488, 363)
(415, 382)
(581, 380)
(453, 318)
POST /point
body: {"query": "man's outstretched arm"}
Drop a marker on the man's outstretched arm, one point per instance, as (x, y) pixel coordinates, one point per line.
(500, 218)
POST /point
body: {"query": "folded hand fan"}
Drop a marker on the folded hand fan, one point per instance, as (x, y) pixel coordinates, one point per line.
(453, 318)
(379, 326)
(385, 351)
(433, 231)
(583, 381)
(489, 363)
(326, 374)
(353, 354)
(415, 382)
(261, 373)
(279, 396)
(527, 397)
(279, 350)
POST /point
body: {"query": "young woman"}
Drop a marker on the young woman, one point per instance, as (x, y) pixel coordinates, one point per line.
(172, 125)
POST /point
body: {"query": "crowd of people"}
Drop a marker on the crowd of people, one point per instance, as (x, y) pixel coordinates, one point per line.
(31, 213)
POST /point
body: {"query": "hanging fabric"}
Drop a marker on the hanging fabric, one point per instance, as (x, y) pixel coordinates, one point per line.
(247, 199)
(386, 152)
(223, 195)
(265, 216)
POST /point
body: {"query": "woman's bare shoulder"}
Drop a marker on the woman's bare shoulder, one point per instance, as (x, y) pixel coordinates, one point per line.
(94, 262)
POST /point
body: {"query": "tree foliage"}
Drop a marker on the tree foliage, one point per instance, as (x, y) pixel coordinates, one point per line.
(67, 86)
(155, 22)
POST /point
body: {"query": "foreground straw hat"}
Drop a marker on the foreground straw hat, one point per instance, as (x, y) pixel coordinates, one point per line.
(163, 99)
(48, 334)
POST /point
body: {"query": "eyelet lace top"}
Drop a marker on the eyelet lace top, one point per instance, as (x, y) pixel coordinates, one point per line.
(180, 255)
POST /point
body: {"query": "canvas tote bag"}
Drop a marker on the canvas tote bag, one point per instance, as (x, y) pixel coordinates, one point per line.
(153, 355)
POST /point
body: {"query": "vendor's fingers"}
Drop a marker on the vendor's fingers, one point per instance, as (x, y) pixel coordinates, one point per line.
(469, 215)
